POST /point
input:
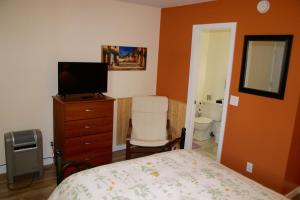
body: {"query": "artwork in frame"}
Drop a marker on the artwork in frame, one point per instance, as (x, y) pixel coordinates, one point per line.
(124, 57)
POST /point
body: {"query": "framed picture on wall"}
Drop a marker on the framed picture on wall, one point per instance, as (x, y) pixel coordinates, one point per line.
(124, 57)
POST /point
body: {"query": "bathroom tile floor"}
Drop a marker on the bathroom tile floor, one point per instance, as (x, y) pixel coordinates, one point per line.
(206, 147)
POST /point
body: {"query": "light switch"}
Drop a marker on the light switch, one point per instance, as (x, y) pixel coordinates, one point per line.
(234, 100)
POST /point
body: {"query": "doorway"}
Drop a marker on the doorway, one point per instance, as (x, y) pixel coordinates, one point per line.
(203, 72)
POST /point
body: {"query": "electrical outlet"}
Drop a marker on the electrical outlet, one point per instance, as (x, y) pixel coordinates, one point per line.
(249, 167)
(51, 144)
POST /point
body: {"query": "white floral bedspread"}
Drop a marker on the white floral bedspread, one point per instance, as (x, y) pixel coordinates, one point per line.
(180, 174)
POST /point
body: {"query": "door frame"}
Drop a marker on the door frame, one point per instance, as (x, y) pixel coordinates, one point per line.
(193, 80)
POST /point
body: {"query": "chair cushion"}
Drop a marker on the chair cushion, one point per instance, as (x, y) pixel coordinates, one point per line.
(151, 104)
(146, 143)
(149, 118)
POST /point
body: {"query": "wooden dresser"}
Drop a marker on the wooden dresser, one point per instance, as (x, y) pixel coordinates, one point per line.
(83, 128)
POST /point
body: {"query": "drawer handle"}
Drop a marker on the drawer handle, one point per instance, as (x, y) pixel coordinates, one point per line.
(88, 110)
(87, 143)
(87, 127)
(86, 159)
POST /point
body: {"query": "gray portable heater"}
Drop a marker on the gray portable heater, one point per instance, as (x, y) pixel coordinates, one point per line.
(24, 153)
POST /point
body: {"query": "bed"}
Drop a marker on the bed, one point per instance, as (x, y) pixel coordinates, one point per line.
(179, 174)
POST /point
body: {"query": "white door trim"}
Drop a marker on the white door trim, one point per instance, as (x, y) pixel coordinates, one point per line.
(193, 80)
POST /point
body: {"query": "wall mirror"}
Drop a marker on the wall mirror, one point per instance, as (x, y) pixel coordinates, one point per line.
(265, 65)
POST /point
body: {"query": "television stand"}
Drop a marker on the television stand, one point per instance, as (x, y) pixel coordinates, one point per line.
(83, 128)
(99, 94)
(90, 96)
(83, 96)
(87, 97)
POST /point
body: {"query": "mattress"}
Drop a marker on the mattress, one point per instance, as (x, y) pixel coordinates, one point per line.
(179, 174)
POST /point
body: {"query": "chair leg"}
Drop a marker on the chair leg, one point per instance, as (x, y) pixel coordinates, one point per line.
(58, 165)
(182, 140)
(128, 153)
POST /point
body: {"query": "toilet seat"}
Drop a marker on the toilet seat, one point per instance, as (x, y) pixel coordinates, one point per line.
(203, 120)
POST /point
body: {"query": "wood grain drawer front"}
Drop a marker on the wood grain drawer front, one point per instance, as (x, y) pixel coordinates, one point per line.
(95, 158)
(87, 127)
(86, 110)
(93, 143)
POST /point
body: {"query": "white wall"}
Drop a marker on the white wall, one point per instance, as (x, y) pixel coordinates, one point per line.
(215, 56)
(36, 34)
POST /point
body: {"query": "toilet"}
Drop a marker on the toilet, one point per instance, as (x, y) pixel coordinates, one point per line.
(202, 128)
(216, 131)
(208, 120)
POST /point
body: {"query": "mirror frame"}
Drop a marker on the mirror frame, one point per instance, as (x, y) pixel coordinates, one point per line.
(284, 68)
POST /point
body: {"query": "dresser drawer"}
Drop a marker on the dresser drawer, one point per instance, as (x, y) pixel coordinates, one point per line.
(87, 127)
(93, 143)
(86, 110)
(95, 158)
(83, 128)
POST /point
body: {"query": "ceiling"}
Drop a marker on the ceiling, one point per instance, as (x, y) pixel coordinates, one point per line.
(164, 3)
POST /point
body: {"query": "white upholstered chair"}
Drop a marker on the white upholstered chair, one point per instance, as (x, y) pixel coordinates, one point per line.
(148, 127)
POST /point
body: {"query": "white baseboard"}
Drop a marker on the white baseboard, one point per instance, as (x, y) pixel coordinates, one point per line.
(119, 147)
(46, 161)
(293, 193)
(49, 160)
(2, 169)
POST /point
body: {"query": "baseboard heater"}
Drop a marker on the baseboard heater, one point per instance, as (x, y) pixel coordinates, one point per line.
(24, 153)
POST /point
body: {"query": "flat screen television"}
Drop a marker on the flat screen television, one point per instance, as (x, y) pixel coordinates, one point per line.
(81, 77)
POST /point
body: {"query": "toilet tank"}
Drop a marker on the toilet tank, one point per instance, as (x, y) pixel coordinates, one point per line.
(212, 110)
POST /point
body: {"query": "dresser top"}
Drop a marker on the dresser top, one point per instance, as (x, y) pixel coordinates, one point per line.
(77, 99)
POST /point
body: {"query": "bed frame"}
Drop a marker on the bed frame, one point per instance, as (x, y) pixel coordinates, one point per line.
(66, 168)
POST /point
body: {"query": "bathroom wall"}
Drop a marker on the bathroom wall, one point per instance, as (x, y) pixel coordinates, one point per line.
(213, 64)
(204, 40)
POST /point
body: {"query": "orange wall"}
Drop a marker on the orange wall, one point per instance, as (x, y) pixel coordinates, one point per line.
(292, 177)
(260, 130)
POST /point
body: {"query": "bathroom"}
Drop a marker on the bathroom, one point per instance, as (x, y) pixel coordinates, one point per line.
(210, 90)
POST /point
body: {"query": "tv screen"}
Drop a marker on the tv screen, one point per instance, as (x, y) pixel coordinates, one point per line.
(81, 77)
